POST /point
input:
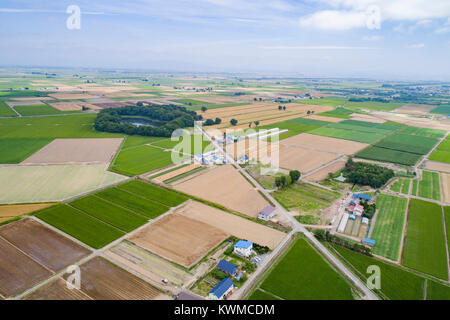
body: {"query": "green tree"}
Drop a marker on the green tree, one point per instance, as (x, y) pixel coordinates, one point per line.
(218, 121)
(233, 122)
(256, 123)
(204, 109)
(295, 175)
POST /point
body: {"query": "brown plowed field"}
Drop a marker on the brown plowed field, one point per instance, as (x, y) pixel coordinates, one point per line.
(11, 211)
(231, 224)
(102, 280)
(445, 178)
(17, 271)
(57, 290)
(413, 108)
(261, 111)
(437, 166)
(70, 96)
(326, 144)
(304, 160)
(226, 186)
(366, 118)
(71, 151)
(323, 173)
(46, 246)
(175, 173)
(179, 239)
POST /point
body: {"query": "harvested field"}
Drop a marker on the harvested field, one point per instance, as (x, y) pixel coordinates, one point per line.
(8, 212)
(437, 166)
(412, 108)
(23, 103)
(179, 239)
(304, 160)
(445, 180)
(233, 225)
(326, 144)
(72, 151)
(261, 111)
(324, 118)
(72, 106)
(323, 173)
(57, 290)
(414, 121)
(18, 272)
(226, 186)
(102, 280)
(175, 173)
(148, 264)
(71, 96)
(46, 246)
(52, 183)
(366, 118)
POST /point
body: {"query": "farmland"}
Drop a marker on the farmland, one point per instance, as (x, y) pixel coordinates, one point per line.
(36, 110)
(52, 183)
(428, 186)
(442, 152)
(296, 276)
(388, 155)
(5, 110)
(8, 212)
(425, 242)
(17, 150)
(401, 185)
(295, 126)
(388, 229)
(407, 143)
(79, 225)
(305, 198)
(396, 283)
(236, 195)
(338, 113)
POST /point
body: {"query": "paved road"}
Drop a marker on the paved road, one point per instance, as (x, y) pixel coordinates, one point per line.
(296, 227)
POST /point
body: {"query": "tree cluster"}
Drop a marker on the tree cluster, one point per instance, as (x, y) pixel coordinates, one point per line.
(285, 180)
(323, 235)
(170, 117)
(367, 174)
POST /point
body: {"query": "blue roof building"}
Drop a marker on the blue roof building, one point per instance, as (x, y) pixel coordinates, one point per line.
(370, 242)
(227, 267)
(242, 244)
(362, 196)
(221, 289)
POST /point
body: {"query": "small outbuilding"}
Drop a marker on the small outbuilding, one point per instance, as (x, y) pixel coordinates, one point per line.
(221, 289)
(243, 248)
(267, 213)
(369, 242)
(361, 196)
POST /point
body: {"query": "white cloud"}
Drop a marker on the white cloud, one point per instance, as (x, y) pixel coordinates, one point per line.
(444, 29)
(334, 20)
(347, 14)
(373, 38)
(417, 46)
(316, 48)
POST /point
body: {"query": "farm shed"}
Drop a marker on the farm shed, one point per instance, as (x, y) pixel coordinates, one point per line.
(243, 248)
(267, 213)
(343, 223)
(362, 196)
(227, 267)
(221, 289)
(370, 242)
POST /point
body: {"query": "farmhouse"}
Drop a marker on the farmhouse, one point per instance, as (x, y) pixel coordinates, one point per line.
(267, 213)
(227, 267)
(243, 248)
(221, 289)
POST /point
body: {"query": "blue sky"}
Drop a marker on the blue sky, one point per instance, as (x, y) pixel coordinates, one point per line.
(397, 39)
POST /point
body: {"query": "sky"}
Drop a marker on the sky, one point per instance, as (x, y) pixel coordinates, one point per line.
(384, 39)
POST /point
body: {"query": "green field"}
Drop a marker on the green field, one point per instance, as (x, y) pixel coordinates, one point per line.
(338, 113)
(374, 105)
(442, 152)
(353, 130)
(407, 143)
(107, 212)
(444, 109)
(134, 141)
(140, 159)
(424, 132)
(429, 186)
(447, 224)
(305, 198)
(401, 185)
(79, 225)
(183, 175)
(6, 111)
(261, 295)
(425, 241)
(396, 283)
(295, 126)
(388, 229)
(388, 155)
(138, 204)
(191, 142)
(437, 291)
(17, 150)
(73, 126)
(329, 101)
(154, 193)
(37, 110)
(302, 274)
